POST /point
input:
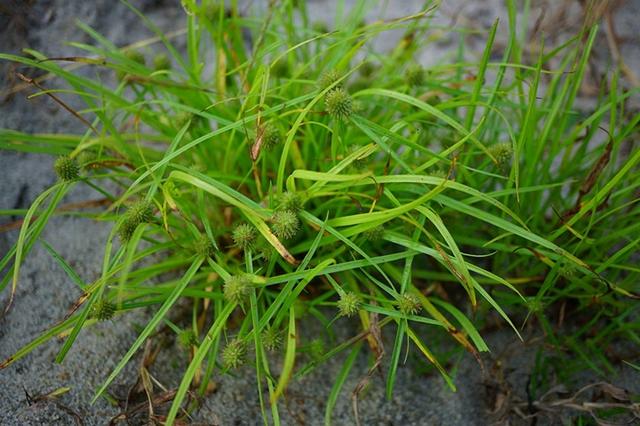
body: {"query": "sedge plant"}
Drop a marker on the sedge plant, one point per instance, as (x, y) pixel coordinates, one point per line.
(306, 171)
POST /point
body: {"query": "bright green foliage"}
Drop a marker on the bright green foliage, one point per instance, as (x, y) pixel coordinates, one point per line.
(441, 198)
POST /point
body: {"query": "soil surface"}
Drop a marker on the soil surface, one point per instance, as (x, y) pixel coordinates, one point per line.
(45, 293)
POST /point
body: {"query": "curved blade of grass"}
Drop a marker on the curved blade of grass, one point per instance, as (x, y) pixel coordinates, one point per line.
(151, 325)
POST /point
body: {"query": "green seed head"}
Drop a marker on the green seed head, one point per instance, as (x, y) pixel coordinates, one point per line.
(290, 201)
(127, 228)
(368, 69)
(236, 289)
(135, 56)
(271, 339)
(267, 252)
(316, 348)
(415, 75)
(328, 78)
(161, 62)
(503, 154)
(103, 310)
(67, 168)
(320, 27)
(374, 234)
(244, 236)
(187, 339)
(205, 247)
(140, 212)
(339, 104)
(348, 304)
(234, 354)
(285, 224)
(271, 136)
(409, 304)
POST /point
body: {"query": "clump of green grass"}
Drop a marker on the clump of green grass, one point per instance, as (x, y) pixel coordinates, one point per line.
(419, 197)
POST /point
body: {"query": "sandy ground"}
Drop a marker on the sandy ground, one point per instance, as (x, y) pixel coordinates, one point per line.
(45, 292)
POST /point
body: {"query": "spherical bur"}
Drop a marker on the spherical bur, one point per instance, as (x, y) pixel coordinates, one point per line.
(244, 236)
(271, 136)
(67, 168)
(409, 304)
(161, 62)
(127, 228)
(135, 56)
(234, 354)
(187, 338)
(317, 348)
(271, 339)
(415, 75)
(205, 247)
(328, 78)
(236, 289)
(503, 153)
(103, 310)
(338, 104)
(290, 201)
(374, 234)
(140, 212)
(285, 224)
(349, 304)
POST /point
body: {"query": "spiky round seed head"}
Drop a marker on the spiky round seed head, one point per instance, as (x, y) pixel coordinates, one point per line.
(339, 104)
(103, 310)
(140, 212)
(271, 136)
(267, 252)
(414, 75)
(320, 27)
(244, 236)
(348, 304)
(234, 354)
(187, 338)
(316, 348)
(135, 56)
(374, 234)
(290, 201)
(409, 304)
(285, 224)
(161, 62)
(358, 163)
(502, 152)
(327, 78)
(236, 289)
(127, 228)
(205, 247)
(271, 339)
(67, 168)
